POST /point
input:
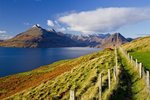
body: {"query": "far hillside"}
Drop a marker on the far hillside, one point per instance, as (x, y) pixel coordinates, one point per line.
(140, 49)
(38, 37)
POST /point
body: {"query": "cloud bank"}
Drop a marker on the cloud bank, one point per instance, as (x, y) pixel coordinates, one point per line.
(1, 31)
(4, 36)
(103, 19)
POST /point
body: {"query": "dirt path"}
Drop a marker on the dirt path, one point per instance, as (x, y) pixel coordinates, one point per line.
(123, 91)
(131, 86)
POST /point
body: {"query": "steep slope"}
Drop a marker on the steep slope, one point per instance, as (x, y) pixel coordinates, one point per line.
(140, 50)
(140, 44)
(114, 39)
(55, 80)
(40, 38)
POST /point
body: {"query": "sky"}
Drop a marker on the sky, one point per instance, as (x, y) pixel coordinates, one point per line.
(129, 17)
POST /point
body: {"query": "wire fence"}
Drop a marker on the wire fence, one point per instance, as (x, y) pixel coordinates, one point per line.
(114, 72)
(143, 73)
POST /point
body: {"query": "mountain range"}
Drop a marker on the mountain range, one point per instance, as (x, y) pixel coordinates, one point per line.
(113, 40)
(38, 37)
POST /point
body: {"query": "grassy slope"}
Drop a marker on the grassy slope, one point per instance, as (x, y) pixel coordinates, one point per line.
(57, 79)
(129, 86)
(143, 57)
(140, 49)
(15, 83)
(136, 87)
(81, 74)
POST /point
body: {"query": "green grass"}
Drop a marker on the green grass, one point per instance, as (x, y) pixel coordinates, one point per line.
(83, 78)
(143, 57)
(137, 85)
(140, 50)
(141, 44)
(130, 87)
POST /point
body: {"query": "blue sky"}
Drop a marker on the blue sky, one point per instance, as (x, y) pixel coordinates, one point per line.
(18, 15)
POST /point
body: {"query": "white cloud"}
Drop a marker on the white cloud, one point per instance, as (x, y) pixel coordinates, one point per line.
(50, 23)
(4, 36)
(1, 31)
(104, 19)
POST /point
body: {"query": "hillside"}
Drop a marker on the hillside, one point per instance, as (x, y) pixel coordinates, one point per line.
(83, 70)
(81, 74)
(38, 37)
(140, 44)
(140, 49)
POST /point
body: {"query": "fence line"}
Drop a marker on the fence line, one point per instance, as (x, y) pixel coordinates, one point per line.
(143, 73)
(115, 74)
(109, 78)
(72, 95)
(147, 80)
(100, 87)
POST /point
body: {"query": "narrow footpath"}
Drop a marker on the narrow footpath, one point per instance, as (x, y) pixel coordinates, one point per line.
(130, 86)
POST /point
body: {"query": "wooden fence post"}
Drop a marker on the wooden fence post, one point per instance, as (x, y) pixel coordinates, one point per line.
(109, 78)
(147, 80)
(140, 70)
(116, 60)
(131, 60)
(100, 87)
(72, 95)
(114, 72)
(136, 63)
(143, 73)
(116, 57)
(128, 56)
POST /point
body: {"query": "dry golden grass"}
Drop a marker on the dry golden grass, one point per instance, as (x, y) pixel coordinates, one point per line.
(56, 80)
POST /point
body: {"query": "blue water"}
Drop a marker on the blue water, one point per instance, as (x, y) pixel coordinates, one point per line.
(16, 60)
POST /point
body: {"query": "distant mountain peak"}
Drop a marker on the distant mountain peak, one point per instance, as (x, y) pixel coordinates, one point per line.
(116, 34)
(38, 37)
(36, 26)
(53, 30)
(113, 40)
